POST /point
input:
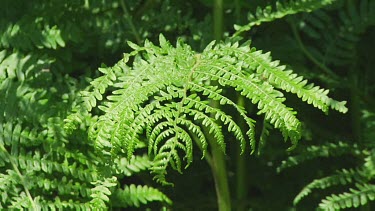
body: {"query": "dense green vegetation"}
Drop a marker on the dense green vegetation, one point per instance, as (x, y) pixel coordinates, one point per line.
(187, 105)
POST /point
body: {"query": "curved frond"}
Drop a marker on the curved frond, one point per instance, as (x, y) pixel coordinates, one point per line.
(166, 95)
(360, 176)
(354, 198)
(312, 152)
(281, 10)
(342, 177)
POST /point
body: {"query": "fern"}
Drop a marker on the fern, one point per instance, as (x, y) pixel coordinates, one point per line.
(174, 103)
(162, 99)
(34, 177)
(342, 38)
(86, 101)
(26, 34)
(43, 166)
(269, 13)
(342, 177)
(23, 168)
(339, 34)
(361, 177)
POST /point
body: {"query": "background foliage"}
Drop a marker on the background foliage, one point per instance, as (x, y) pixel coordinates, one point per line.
(50, 51)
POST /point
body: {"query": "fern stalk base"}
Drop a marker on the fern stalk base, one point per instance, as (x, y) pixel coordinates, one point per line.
(219, 172)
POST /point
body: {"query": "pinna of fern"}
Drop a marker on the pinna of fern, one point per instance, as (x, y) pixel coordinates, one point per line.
(362, 189)
(165, 96)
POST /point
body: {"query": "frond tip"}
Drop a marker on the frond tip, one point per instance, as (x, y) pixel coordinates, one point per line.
(134, 196)
(353, 198)
(166, 95)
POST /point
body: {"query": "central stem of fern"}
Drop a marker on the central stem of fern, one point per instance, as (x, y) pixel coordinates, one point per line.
(218, 165)
(219, 172)
(218, 20)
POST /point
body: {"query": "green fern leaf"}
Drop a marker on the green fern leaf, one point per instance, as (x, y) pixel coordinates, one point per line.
(342, 177)
(354, 198)
(134, 196)
(312, 152)
(127, 167)
(166, 93)
(283, 9)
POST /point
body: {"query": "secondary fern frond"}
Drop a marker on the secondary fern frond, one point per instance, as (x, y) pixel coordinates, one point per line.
(326, 150)
(134, 196)
(37, 161)
(87, 100)
(74, 176)
(26, 34)
(136, 164)
(354, 198)
(167, 91)
(32, 170)
(101, 192)
(361, 177)
(342, 177)
(340, 38)
(281, 10)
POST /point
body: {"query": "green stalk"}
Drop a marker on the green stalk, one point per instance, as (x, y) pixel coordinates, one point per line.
(219, 172)
(218, 20)
(217, 164)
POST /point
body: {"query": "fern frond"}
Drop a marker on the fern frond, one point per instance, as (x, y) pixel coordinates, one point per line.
(37, 164)
(342, 177)
(354, 198)
(340, 38)
(32, 170)
(281, 10)
(361, 176)
(369, 165)
(59, 204)
(165, 95)
(285, 79)
(134, 196)
(326, 150)
(43, 166)
(87, 100)
(27, 35)
(100, 193)
(134, 165)
(20, 66)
